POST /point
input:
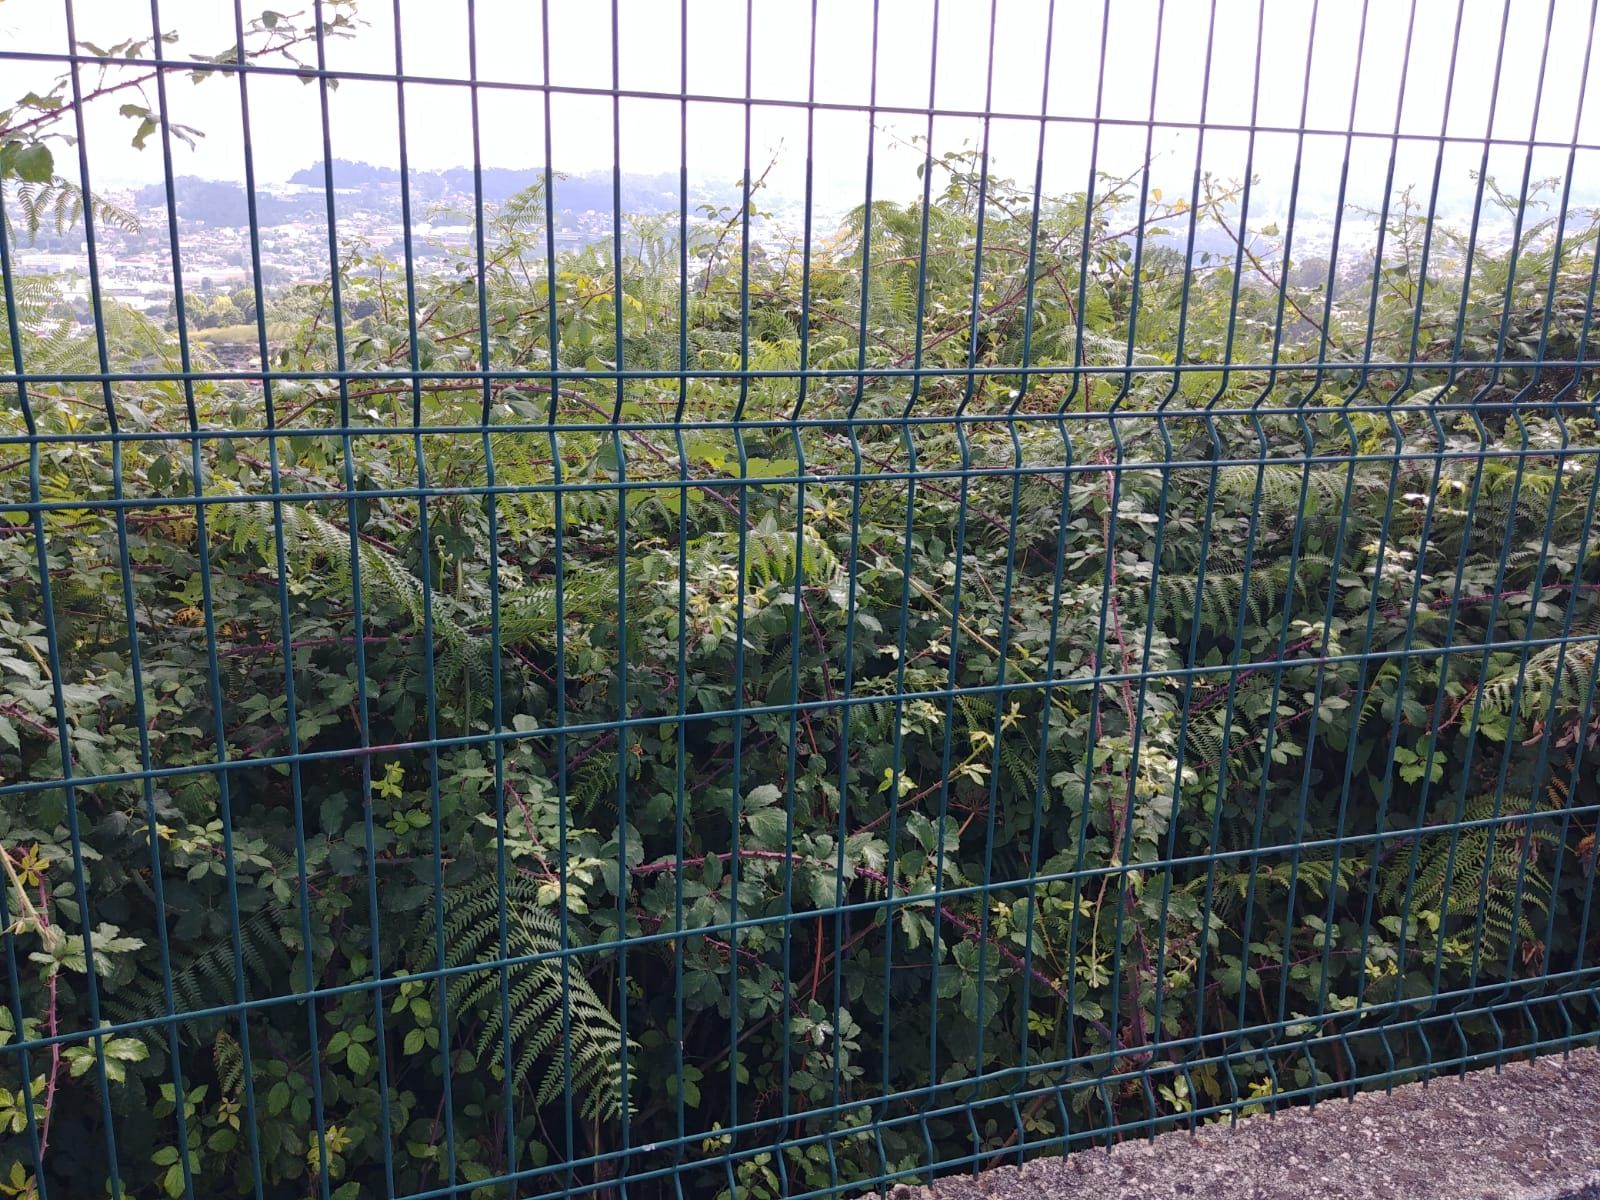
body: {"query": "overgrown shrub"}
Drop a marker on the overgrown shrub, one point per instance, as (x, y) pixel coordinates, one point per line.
(1143, 737)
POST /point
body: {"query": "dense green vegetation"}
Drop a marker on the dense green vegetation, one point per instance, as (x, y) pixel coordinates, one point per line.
(1229, 697)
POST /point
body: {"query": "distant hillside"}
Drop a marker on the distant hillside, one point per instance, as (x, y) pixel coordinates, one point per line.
(365, 186)
(641, 194)
(223, 202)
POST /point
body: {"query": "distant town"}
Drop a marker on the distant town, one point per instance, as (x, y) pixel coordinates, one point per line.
(134, 257)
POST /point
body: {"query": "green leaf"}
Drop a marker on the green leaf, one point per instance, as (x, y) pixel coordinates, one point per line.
(33, 163)
(769, 826)
(128, 1049)
(921, 828)
(764, 795)
(79, 1059)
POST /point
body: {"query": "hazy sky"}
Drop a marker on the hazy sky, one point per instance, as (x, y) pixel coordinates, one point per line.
(1292, 86)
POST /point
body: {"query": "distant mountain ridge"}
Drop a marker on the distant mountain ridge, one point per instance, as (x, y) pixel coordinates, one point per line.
(368, 186)
(592, 190)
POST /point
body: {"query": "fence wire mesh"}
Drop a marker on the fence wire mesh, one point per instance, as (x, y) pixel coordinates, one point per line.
(1027, 578)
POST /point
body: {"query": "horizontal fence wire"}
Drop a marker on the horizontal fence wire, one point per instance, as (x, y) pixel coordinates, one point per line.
(939, 582)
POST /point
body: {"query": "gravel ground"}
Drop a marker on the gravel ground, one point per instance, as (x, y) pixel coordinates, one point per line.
(1529, 1132)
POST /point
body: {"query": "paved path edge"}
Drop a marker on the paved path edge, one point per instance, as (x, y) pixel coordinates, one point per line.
(1529, 1131)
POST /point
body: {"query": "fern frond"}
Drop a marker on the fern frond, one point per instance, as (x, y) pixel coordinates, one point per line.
(776, 557)
(59, 202)
(1475, 874)
(595, 782)
(555, 1014)
(320, 550)
(1018, 755)
(1227, 589)
(206, 978)
(1554, 678)
(228, 1058)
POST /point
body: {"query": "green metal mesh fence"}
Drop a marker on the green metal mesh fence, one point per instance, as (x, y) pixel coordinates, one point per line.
(570, 679)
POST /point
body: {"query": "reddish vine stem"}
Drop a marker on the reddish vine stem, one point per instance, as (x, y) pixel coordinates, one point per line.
(1216, 695)
(956, 920)
(1484, 597)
